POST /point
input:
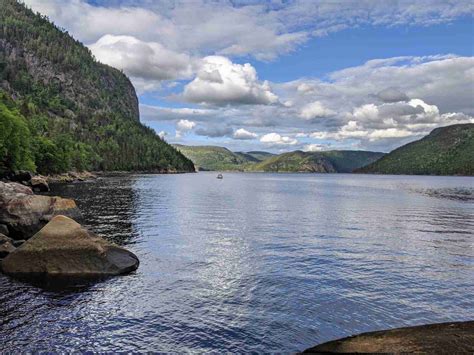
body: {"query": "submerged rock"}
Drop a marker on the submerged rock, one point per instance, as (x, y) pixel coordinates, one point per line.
(445, 338)
(25, 213)
(63, 248)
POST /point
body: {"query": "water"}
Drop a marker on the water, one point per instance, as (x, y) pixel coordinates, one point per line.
(257, 262)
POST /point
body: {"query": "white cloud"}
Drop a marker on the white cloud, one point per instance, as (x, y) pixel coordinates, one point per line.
(314, 147)
(242, 133)
(139, 59)
(162, 134)
(264, 30)
(183, 126)
(276, 139)
(221, 82)
(315, 110)
(368, 112)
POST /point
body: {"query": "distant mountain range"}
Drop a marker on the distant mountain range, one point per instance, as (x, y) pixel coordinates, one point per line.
(445, 151)
(215, 158)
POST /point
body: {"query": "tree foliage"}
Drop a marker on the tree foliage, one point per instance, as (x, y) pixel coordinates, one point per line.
(70, 112)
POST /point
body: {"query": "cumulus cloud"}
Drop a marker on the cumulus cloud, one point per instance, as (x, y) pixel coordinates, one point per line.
(221, 82)
(140, 59)
(276, 139)
(243, 134)
(184, 126)
(315, 110)
(163, 134)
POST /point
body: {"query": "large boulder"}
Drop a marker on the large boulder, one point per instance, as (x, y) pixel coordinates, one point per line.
(63, 248)
(441, 338)
(25, 213)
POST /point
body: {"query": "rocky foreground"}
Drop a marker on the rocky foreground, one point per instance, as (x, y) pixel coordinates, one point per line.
(39, 239)
(442, 338)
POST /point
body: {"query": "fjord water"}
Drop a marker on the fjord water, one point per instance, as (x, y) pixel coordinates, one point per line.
(257, 262)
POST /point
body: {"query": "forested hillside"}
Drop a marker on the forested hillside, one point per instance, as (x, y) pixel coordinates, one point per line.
(216, 158)
(445, 151)
(60, 109)
(333, 161)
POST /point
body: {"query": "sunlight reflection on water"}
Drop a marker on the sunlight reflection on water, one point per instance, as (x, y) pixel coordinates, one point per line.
(257, 262)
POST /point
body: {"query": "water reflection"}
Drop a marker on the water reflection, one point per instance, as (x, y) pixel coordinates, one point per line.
(256, 262)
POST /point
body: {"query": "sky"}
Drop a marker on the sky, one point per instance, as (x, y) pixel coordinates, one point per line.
(284, 75)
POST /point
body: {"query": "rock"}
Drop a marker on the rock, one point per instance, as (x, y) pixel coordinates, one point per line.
(442, 338)
(63, 248)
(39, 184)
(21, 176)
(4, 229)
(25, 213)
(6, 246)
(17, 243)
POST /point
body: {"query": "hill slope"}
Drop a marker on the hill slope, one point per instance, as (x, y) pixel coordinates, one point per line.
(219, 158)
(72, 111)
(336, 161)
(215, 158)
(445, 151)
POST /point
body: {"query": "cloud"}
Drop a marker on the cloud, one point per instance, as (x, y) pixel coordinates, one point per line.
(392, 95)
(139, 59)
(359, 116)
(276, 139)
(184, 126)
(313, 147)
(158, 113)
(315, 110)
(264, 30)
(215, 132)
(243, 134)
(163, 134)
(221, 82)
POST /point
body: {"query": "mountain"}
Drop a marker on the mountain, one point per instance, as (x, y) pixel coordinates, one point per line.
(215, 158)
(336, 161)
(445, 151)
(256, 156)
(63, 110)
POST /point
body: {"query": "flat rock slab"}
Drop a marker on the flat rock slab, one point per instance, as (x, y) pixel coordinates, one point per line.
(64, 249)
(442, 338)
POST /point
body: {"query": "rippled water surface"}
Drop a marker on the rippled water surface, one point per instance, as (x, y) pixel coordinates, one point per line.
(257, 262)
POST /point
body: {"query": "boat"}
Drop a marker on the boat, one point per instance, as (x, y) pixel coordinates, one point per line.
(219, 176)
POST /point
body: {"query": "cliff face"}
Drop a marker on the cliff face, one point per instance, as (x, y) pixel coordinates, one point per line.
(79, 113)
(95, 94)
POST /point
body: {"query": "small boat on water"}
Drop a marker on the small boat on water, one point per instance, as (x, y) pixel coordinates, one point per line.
(220, 176)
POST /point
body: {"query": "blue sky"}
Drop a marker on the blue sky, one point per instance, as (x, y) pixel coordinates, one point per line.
(280, 76)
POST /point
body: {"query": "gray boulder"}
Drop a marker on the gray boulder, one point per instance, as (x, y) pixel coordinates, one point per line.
(63, 248)
(25, 213)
